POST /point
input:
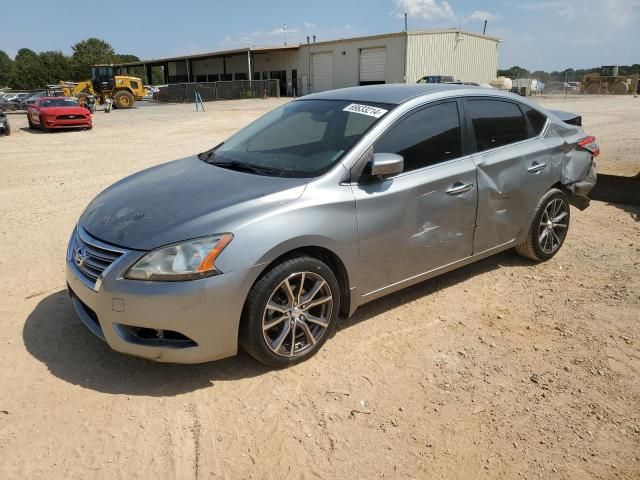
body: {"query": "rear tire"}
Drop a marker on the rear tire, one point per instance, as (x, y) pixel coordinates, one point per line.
(290, 312)
(593, 88)
(123, 99)
(620, 88)
(549, 227)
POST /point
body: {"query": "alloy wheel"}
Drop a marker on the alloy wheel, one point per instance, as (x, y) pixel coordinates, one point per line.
(553, 226)
(297, 314)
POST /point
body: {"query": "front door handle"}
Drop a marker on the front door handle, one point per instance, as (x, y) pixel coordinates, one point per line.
(458, 188)
(536, 167)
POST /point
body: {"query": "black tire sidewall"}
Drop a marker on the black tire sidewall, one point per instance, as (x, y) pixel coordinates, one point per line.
(120, 94)
(251, 337)
(535, 242)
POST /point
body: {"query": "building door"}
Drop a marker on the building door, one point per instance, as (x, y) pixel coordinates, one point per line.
(321, 71)
(281, 76)
(294, 82)
(373, 66)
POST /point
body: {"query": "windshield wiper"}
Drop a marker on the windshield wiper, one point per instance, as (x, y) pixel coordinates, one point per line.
(247, 167)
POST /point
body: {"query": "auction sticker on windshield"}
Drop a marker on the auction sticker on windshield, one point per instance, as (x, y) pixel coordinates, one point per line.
(365, 110)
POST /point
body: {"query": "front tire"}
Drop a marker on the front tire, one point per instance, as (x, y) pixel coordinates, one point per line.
(290, 312)
(549, 227)
(123, 99)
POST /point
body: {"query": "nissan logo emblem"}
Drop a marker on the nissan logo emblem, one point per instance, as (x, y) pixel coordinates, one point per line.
(80, 257)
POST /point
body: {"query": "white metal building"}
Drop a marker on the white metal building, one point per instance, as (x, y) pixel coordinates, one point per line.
(402, 57)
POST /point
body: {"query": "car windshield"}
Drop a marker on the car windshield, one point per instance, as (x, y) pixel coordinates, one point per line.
(304, 138)
(59, 102)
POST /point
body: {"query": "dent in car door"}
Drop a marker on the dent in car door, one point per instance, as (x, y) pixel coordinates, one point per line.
(424, 218)
(513, 172)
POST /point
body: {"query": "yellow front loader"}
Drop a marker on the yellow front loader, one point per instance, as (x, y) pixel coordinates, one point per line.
(124, 90)
(609, 82)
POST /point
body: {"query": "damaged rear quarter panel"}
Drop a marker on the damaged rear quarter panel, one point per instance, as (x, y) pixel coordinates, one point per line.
(577, 169)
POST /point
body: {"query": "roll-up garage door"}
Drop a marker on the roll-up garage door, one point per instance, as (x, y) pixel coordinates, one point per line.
(322, 71)
(373, 65)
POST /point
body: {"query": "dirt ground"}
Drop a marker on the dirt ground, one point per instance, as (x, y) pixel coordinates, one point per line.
(503, 369)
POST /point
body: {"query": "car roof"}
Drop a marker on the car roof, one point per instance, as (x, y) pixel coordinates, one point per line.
(394, 93)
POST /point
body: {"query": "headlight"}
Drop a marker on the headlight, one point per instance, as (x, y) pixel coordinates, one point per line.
(183, 261)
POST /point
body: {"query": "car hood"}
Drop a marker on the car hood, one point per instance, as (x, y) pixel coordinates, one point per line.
(181, 200)
(63, 110)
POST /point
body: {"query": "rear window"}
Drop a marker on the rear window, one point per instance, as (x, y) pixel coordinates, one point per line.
(536, 119)
(496, 123)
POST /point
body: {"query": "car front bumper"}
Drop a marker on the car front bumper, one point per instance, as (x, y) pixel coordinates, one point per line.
(206, 312)
(70, 123)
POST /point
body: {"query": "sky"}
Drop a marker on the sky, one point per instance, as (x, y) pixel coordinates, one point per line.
(543, 34)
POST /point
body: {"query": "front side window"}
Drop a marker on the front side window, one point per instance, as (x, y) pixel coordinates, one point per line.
(496, 123)
(426, 137)
(304, 138)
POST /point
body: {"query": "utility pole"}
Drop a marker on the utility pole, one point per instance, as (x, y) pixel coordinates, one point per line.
(284, 29)
(406, 29)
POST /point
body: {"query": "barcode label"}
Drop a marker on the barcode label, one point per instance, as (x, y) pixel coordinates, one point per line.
(365, 110)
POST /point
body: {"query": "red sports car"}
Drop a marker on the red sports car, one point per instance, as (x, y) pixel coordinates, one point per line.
(58, 112)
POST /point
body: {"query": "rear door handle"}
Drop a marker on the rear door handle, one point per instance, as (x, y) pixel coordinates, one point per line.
(536, 167)
(458, 188)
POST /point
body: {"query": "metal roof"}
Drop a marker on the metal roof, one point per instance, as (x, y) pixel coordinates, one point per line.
(435, 31)
(196, 56)
(276, 48)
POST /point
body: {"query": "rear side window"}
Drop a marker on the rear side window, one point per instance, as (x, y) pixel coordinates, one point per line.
(536, 119)
(429, 136)
(496, 123)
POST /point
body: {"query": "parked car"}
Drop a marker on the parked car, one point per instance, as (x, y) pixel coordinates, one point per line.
(26, 102)
(437, 79)
(555, 87)
(5, 128)
(14, 100)
(58, 112)
(326, 203)
(15, 95)
(150, 90)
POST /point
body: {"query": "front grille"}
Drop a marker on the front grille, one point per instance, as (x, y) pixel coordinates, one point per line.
(92, 257)
(70, 117)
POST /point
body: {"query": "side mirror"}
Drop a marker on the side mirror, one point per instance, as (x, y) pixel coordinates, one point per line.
(386, 164)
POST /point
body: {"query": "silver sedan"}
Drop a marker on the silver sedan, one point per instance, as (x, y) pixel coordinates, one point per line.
(265, 241)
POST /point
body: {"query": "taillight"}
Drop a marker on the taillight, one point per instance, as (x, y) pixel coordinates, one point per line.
(589, 143)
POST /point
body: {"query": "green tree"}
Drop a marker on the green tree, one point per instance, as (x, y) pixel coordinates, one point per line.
(157, 76)
(57, 66)
(125, 58)
(6, 69)
(514, 72)
(29, 72)
(90, 52)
